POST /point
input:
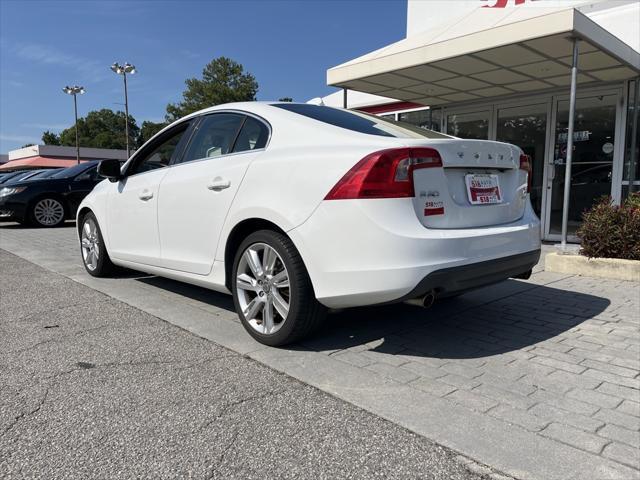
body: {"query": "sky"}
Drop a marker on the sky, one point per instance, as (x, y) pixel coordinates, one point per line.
(287, 45)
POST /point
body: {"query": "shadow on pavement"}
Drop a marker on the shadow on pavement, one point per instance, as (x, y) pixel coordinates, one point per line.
(465, 327)
(193, 292)
(471, 326)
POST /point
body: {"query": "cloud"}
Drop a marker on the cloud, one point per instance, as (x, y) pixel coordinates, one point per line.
(9, 137)
(89, 69)
(190, 54)
(46, 126)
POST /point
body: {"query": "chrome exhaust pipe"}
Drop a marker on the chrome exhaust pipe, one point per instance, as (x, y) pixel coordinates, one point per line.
(428, 300)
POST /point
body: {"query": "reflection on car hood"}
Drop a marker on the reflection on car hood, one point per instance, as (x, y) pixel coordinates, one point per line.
(35, 181)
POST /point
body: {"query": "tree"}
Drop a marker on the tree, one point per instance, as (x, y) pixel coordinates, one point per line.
(285, 99)
(223, 80)
(148, 129)
(27, 145)
(100, 129)
(50, 138)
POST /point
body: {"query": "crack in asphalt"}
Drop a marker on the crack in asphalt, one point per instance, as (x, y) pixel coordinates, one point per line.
(25, 415)
(58, 339)
(222, 456)
(57, 309)
(227, 407)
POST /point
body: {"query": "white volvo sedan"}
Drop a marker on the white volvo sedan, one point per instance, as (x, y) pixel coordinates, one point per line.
(295, 209)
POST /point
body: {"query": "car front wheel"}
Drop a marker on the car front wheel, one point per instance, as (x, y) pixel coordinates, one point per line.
(94, 254)
(272, 291)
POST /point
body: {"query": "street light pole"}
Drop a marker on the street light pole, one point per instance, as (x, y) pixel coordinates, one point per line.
(126, 111)
(123, 70)
(75, 90)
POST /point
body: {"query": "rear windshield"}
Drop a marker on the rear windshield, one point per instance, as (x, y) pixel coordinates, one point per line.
(73, 171)
(360, 122)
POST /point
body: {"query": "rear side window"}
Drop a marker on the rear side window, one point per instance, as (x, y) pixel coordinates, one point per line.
(254, 135)
(359, 122)
(214, 136)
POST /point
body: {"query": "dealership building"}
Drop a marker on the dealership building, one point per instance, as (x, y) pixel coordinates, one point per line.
(502, 70)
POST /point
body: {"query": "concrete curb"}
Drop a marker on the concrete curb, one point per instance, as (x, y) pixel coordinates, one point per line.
(613, 268)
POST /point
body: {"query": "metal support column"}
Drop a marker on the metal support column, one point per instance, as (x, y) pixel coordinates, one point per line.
(633, 156)
(344, 98)
(567, 170)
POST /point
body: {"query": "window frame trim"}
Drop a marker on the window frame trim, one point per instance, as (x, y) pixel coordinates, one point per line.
(245, 114)
(154, 143)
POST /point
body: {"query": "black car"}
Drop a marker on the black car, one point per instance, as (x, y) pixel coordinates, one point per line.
(48, 202)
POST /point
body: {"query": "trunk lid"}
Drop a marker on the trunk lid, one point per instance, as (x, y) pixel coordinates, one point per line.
(461, 193)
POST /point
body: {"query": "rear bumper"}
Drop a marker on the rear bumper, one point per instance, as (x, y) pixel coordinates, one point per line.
(367, 252)
(451, 281)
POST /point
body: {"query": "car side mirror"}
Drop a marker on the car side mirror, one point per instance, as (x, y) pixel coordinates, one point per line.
(110, 169)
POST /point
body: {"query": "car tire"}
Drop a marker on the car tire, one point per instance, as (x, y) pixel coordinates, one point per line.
(47, 212)
(284, 282)
(94, 254)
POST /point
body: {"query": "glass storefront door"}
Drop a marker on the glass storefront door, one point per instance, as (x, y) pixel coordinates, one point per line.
(472, 125)
(526, 127)
(592, 164)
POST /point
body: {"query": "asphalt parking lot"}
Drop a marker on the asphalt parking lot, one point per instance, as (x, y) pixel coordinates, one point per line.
(539, 379)
(94, 388)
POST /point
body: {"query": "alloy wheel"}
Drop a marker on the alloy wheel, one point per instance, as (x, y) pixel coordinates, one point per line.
(262, 288)
(90, 243)
(48, 212)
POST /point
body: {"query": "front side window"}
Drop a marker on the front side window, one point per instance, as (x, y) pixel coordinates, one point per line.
(215, 136)
(160, 155)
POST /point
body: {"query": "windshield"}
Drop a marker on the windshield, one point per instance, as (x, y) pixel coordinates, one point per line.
(46, 173)
(360, 122)
(14, 177)
(72, 171)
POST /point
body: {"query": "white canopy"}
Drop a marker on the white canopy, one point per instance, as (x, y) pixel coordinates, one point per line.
(494, 55)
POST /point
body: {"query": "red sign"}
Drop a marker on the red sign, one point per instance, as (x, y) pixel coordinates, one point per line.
(503, 3)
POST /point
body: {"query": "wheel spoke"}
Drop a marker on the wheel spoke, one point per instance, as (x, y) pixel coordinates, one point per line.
(281, 280)
(86, 243)
(281, 304)
(91, 259)
(253, 260)
(267, 316)
(269, 259)
(246, 282)
(253, 308)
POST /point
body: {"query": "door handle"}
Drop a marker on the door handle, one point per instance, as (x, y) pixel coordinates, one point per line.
(145, 195)
(218, 184)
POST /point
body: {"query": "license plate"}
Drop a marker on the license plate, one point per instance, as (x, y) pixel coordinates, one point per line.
(483, 189)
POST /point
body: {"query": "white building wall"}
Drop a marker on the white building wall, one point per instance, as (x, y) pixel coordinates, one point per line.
(620, 17)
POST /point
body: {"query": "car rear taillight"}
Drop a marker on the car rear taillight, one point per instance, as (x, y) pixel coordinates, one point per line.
(384, 174)
(525, 164)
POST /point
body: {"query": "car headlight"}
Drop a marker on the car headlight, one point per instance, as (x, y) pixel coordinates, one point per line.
(6, 191)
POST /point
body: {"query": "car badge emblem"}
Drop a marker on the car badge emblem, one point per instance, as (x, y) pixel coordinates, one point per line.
(433, 193)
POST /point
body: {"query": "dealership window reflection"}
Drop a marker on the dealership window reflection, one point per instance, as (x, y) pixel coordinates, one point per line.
(592, 163)
(526, 127)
